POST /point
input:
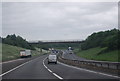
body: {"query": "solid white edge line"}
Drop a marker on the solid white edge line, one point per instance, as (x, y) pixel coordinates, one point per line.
(10, 61)
(16, 68)
(89, 70)
(12, 69)
(51, 71)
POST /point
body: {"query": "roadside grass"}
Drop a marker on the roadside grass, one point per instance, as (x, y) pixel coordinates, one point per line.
(37, 52)
(10, 52)
(93, 54)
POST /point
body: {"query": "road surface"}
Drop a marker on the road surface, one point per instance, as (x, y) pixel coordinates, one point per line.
(39, 69)
(66, 55)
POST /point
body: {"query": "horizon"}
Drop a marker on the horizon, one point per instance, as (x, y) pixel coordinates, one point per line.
(59, 40)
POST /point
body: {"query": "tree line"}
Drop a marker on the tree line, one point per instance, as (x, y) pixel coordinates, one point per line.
(20, 42)
(0, 40)
(109, 39)
(16, 41)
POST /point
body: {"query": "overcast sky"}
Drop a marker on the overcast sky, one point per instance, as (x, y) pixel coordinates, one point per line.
(58, 21)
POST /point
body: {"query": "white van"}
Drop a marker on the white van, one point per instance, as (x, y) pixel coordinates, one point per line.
(25, 53)
(52, 59)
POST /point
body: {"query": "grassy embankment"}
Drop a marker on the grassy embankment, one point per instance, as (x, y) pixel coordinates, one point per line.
(93, 54)
(10, 52)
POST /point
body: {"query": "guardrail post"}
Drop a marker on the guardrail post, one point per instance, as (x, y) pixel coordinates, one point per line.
(95, 64)
(101, 64)
(117, 66)
(108, 65)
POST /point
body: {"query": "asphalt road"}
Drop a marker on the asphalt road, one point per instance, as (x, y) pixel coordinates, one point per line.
(39, 69)
(31, 70)
(6, 66)
(66, 55)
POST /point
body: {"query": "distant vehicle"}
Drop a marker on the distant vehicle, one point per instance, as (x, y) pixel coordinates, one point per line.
(70, 50)
(54, 51)
(25, 53)
(52, 59)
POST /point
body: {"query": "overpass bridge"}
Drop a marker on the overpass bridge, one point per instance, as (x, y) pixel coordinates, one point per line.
(55, 41)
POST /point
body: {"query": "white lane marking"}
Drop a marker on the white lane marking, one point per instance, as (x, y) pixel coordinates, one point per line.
(12, 69)
(89, 70)
(10, 61)
(51, 71)
(16, 67)
(57, 76)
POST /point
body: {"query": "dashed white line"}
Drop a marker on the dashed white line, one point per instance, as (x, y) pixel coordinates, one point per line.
(57, 76)
(51, 71)
(89, 70)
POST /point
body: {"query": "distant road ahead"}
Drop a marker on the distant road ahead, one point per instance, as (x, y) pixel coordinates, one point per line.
(66, 55)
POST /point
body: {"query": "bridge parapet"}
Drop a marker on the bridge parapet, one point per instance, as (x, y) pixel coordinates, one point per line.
(56, 41)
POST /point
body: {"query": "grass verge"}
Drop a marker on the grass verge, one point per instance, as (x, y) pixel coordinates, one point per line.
(93, 54)
(10, 52)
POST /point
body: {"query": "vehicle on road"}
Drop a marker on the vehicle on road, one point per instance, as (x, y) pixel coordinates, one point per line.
(25, 53)
(70, 50)
(52, 59)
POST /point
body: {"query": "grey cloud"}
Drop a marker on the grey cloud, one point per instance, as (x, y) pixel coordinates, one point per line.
(54, 21)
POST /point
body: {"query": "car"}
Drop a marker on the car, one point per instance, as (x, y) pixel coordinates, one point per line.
(52, 59)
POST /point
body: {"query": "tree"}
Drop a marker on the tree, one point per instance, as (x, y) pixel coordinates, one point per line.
(109, 39)
(17, 41)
